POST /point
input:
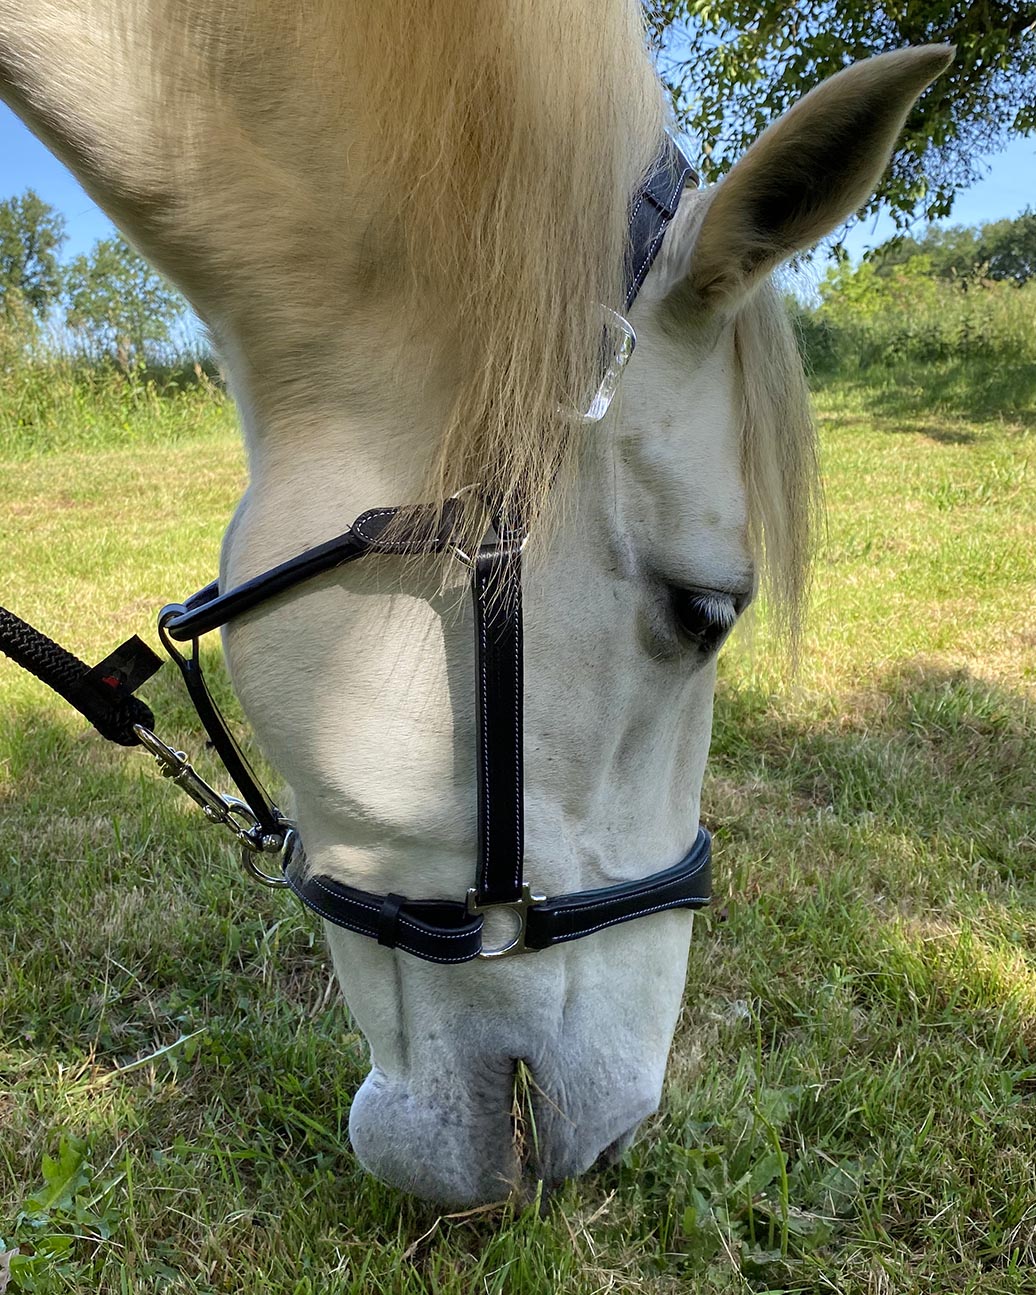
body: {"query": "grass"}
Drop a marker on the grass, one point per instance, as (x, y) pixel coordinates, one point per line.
(851, 1103)
(57, 402)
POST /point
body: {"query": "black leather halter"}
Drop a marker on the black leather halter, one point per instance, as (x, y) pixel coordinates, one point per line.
(450, 930)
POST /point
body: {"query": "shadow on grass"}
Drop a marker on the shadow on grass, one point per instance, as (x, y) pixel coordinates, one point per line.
(862, 1016)
(129, 913)
(979, 389)
(920, 746)
(872, 954)
(882, 834)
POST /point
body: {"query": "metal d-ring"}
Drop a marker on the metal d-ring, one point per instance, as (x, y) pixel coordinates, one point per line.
(519, 907)
(282, 846)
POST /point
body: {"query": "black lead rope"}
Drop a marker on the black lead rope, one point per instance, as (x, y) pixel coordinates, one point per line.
(102, 694)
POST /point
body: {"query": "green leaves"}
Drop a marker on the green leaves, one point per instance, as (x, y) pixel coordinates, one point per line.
(31, 233)
(62, 1179)
(68, 1207)
(118, 305)
(1002, 251)
(732, 68)
(744, 1185)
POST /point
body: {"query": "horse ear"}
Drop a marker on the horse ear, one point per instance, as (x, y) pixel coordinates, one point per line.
(806, 173)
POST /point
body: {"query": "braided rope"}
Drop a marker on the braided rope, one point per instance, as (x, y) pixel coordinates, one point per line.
(112, 717)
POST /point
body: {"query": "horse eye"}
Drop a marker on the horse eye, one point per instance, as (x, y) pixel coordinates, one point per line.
(703, 617)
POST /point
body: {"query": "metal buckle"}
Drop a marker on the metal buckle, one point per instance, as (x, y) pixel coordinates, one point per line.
(618, 330)
(519, 907)
(227, 811)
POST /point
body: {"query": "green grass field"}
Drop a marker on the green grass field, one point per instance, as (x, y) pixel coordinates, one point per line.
(851, 1104)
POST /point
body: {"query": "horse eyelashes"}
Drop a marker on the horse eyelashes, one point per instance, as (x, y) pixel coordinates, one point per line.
(703, 617)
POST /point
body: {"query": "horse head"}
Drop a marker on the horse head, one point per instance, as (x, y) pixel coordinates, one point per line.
(663, 520)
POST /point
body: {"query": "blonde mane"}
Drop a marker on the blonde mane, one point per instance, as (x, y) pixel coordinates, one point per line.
(778, 457)
(463, 173)
(491, 147)
(522, 129)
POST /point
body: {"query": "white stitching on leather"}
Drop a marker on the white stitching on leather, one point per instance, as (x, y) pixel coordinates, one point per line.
(484, 735)
(516, 580)
(576, 909)
(358, 527)
(628, 917)
(649, 255)
(359, 930)
(433, 931)
(376, 908)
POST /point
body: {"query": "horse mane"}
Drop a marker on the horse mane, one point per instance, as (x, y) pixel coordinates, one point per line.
(516, 131)
(495, 145)
(779, 457)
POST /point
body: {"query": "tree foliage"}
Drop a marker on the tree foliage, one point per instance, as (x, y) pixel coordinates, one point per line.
(732, 68)
(31, 235)
(119, 305)
(1003, 251)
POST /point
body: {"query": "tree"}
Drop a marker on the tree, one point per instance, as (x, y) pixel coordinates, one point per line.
(732, 68)
(950, 252)
(118, 304)
(1008, 248)
(31, 232)
(1004, 251)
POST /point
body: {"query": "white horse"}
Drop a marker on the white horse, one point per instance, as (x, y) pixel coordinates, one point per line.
(399, 228)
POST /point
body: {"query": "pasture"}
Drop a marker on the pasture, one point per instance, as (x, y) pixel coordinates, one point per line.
(851, 1098)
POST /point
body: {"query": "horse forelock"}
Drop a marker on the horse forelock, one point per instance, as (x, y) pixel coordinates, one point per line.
(516, 133)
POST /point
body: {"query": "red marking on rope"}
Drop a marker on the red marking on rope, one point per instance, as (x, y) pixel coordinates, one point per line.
(112, 680)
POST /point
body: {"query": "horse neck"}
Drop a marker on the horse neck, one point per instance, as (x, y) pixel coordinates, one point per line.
(356, 425)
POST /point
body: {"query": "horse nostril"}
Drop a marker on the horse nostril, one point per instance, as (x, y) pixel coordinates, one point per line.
(614, 1151)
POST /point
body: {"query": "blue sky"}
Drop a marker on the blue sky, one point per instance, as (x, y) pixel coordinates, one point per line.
(24, 163)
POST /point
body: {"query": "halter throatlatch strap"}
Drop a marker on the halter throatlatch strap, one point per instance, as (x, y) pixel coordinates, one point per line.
(428, 529)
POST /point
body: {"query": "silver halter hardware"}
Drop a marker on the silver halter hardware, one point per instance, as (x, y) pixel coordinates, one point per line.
(227, 811)
(519, 908)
